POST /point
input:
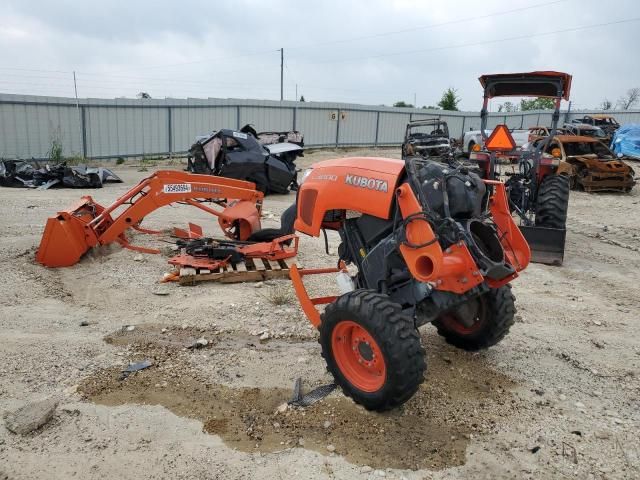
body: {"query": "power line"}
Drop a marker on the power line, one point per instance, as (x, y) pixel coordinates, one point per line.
(475, 18)
(240, 55)
(474, 44)
(332, 42)
(202, 60)
(117, 80)
(108, 81)
(34, 70)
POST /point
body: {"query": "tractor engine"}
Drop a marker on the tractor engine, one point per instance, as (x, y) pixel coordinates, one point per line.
(455, 203)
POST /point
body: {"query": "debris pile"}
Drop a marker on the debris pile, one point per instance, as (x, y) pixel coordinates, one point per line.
(23, 174)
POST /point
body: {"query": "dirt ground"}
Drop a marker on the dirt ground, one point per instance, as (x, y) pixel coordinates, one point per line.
(558, 398)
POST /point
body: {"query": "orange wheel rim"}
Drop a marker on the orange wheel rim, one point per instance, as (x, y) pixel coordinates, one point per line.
(479, 320)
(454, 324)
(358, 356)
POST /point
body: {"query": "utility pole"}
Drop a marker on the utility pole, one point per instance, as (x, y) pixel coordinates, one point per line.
(281, 74)
(566, 115)
(415, 103)
(80, 117)
(75, 87)
(296, 92)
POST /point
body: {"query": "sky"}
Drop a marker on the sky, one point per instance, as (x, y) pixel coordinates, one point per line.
(367, 52)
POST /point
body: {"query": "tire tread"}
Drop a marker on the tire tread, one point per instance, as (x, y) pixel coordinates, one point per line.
(397, 337)
(553, 202)
(502, 310)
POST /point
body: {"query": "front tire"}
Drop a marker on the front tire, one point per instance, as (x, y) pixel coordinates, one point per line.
(480, 324)
(553, 202)
(372, 349)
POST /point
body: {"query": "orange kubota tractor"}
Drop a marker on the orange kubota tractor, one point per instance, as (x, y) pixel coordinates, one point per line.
(428, 243)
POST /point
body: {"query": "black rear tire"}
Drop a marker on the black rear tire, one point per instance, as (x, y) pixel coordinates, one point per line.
(553, 202)
(494, 317)
(395, 336)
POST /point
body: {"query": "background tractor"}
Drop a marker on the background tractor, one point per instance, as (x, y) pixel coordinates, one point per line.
(539, 191)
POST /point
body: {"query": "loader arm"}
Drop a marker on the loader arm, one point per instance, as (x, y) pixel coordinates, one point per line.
(167, 187)
(70, 233)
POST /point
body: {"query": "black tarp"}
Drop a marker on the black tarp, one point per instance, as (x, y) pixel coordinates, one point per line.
(23, 174)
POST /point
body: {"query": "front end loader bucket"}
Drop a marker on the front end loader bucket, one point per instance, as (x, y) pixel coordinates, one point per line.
(546, 244)
(68, 235)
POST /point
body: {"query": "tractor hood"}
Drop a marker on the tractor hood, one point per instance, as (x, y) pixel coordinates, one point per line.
(363, 184)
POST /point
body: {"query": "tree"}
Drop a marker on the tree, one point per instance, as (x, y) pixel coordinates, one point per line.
(302, 98)
(449, 100)
(630, 99)
(430, 107)
(402, 104)
(508, 107)
(537, 104)
(606, 104)
(143, 95)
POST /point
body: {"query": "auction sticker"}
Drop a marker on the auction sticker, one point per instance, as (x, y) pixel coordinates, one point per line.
(177, 188)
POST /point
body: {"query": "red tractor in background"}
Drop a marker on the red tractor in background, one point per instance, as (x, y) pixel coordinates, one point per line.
(539, 191)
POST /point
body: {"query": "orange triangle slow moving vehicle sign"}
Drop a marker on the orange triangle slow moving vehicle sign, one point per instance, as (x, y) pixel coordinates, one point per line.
(501, 139)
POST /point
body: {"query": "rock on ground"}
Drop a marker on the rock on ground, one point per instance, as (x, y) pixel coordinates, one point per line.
(31, 416)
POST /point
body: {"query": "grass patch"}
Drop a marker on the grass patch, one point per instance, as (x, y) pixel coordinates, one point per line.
(75, 160)
(279, 295)
(55, 151)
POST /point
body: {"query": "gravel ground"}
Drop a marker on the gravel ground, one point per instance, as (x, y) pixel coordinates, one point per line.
(558, 398)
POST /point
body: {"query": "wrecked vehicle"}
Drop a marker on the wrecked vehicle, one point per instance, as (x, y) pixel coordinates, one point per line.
(541, 131)
(590, 165)
(626, 141)
(585, 130)
(427, 139)
(23, 174)
(603, 121)
(269, 138)
(233, 154)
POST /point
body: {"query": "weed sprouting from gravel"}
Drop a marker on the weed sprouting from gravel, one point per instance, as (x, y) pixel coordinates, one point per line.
(279, 295)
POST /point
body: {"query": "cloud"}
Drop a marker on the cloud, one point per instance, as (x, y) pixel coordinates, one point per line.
(230, 49)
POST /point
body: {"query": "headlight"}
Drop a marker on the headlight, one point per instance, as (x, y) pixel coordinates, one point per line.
(305, 174)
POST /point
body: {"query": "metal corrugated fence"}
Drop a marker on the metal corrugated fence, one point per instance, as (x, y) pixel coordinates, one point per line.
(101, 128)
